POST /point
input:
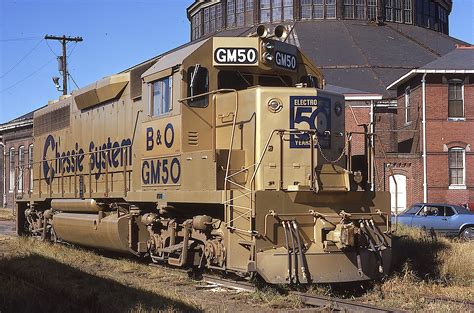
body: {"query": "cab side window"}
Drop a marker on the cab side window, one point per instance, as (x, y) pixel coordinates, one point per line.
(161, 96)
(198, 83)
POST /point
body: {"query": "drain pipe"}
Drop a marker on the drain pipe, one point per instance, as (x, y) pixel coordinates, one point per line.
(425, 178)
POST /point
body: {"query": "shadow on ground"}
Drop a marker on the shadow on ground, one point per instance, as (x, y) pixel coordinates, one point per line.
(420, 254)
(37, 284)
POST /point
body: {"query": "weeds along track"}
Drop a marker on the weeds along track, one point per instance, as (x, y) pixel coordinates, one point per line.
(330, 303)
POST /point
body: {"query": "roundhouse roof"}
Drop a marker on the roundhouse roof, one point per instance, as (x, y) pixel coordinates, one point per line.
(362, 55)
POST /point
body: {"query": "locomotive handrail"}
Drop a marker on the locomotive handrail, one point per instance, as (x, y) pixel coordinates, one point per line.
(89, 172)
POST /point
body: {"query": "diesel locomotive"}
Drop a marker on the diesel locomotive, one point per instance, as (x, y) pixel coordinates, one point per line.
(223, 154)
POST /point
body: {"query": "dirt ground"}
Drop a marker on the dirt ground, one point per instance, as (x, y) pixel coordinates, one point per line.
(40, 277)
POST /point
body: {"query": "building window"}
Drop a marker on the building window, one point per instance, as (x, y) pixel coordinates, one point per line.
(12, 169)
(306, 9)
(318, 9)
(212, 19)
(21, 168)
(330, 9)
(231, 13)
(276, 10)
(407, 105)
(372, 10)
(196, 22)
(397, 10)
(240, 12)
(206, 21)
(249, 9)
(30, 165)
(265, 11)
(455, 99)
(348, 8)
(219, 22)
(407, 11)
(456, 158)
(389, 10)
(161, 96)
(360, 9)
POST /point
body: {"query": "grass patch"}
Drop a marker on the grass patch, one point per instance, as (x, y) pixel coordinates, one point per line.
(38, 276)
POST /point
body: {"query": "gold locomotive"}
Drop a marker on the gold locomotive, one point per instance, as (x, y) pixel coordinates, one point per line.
(224, 154)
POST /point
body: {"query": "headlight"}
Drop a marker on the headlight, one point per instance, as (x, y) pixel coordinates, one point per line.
(275, 105)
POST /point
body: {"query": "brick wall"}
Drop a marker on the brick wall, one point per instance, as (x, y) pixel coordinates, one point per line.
(442, 134)
(15, 140)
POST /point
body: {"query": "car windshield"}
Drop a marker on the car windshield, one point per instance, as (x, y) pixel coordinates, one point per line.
(412, 210)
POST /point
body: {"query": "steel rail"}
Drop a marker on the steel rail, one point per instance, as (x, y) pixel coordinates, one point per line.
(336, 304)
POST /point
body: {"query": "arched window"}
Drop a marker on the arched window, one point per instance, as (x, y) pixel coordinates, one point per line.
(457, 170)
(12, 169)
(407, 105)
(30, 165)
(21, 168)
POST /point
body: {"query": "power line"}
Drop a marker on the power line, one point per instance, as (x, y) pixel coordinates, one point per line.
(70, 76)
(20, 39)
(51, 49)
(21, 60)
(26, 77)
(72, 50)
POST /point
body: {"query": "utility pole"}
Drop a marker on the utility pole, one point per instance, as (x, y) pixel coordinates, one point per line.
(64, 40)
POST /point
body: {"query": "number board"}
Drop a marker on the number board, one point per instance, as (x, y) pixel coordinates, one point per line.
(305, 112)
(161, 171)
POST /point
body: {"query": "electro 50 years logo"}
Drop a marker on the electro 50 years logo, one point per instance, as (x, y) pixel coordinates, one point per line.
(310, 113)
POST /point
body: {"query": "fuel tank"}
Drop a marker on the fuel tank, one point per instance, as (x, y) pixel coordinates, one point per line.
(110, 232)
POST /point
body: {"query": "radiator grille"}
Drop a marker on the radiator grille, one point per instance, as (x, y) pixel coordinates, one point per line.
(51, 121)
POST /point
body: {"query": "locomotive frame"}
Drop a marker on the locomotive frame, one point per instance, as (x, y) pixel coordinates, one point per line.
(223, 154)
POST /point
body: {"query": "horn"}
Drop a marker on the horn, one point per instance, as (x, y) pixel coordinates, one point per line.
(262, 31)
(281, 32)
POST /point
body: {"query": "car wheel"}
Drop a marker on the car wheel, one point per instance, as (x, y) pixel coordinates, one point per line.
(467, 233)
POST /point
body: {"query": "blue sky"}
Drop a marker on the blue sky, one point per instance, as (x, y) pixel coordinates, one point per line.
(117, 34)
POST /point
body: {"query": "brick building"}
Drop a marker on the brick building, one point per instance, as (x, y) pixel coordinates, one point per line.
(429, 145)
(16, 141)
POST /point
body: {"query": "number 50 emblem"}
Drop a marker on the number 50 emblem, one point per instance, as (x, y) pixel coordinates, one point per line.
(310, 113)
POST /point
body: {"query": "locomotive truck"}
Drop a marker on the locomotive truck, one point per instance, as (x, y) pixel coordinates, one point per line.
(224, 154)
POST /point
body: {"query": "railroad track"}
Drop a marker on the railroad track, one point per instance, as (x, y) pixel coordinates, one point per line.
(469, 304)
(336, 304)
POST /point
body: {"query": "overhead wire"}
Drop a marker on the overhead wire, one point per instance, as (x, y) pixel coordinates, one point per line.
(20, 39)
(51, 49)
(22, 59)
(28, 76)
